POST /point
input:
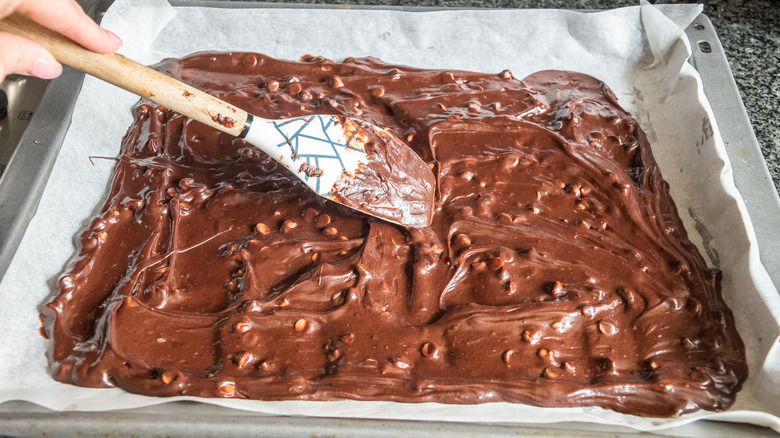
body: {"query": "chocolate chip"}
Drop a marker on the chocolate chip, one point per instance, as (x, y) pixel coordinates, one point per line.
(428, 349)
(377, 91)
(505, 219)
(530, 336)
(462, 240)
(606, 328)
(507, 356)
(447, 77)
(294, 88)
(227, 389)
(555, 289)
(242, 359)
(310, 214)
(241, 327)
(168, 376)
(288, 226)
(322, 220)
(519, 220)
(495, 263)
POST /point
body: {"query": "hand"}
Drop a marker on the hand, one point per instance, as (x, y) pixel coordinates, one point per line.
(19, 55)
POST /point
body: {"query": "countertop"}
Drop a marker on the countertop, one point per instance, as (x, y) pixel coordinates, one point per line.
(748, 29)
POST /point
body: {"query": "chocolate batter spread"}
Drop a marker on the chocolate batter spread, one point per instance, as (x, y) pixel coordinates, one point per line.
(556, 271)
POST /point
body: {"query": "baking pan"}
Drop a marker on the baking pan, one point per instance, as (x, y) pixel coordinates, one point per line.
(190, 419)
(25, 177)
(751, 175)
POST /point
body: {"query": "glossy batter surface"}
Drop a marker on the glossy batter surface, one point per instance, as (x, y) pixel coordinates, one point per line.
(556, 271)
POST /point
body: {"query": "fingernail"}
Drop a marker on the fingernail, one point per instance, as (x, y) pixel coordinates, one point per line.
(45, 68)
(114, 37)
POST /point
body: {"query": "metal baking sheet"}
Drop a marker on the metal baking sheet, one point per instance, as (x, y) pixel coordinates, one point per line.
(25, 177)
(751, 175)
(187, 419)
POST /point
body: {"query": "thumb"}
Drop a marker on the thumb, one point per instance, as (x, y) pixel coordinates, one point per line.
(20, 55)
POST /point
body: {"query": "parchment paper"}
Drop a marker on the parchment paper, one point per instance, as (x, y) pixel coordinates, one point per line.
(640, 52)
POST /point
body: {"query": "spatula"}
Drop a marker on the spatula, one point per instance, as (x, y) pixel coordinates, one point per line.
(343, 159)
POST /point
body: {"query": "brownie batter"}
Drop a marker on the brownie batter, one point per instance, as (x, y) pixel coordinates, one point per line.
(556, 271)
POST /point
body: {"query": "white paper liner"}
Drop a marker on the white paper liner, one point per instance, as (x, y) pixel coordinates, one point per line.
(640, 52)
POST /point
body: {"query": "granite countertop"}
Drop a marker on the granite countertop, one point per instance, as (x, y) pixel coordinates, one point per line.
(748, 30)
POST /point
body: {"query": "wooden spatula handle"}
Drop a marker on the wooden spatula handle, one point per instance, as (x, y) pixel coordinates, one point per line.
(132, 76)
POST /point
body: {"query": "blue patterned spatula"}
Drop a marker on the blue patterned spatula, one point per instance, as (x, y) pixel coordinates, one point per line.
(351, 162)
(343, 159)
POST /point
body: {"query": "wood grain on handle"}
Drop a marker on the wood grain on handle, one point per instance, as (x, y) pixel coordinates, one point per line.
(131, 76)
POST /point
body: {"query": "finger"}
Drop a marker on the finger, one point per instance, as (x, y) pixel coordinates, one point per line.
(6, 7)
(67, 18)
(20, 55)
